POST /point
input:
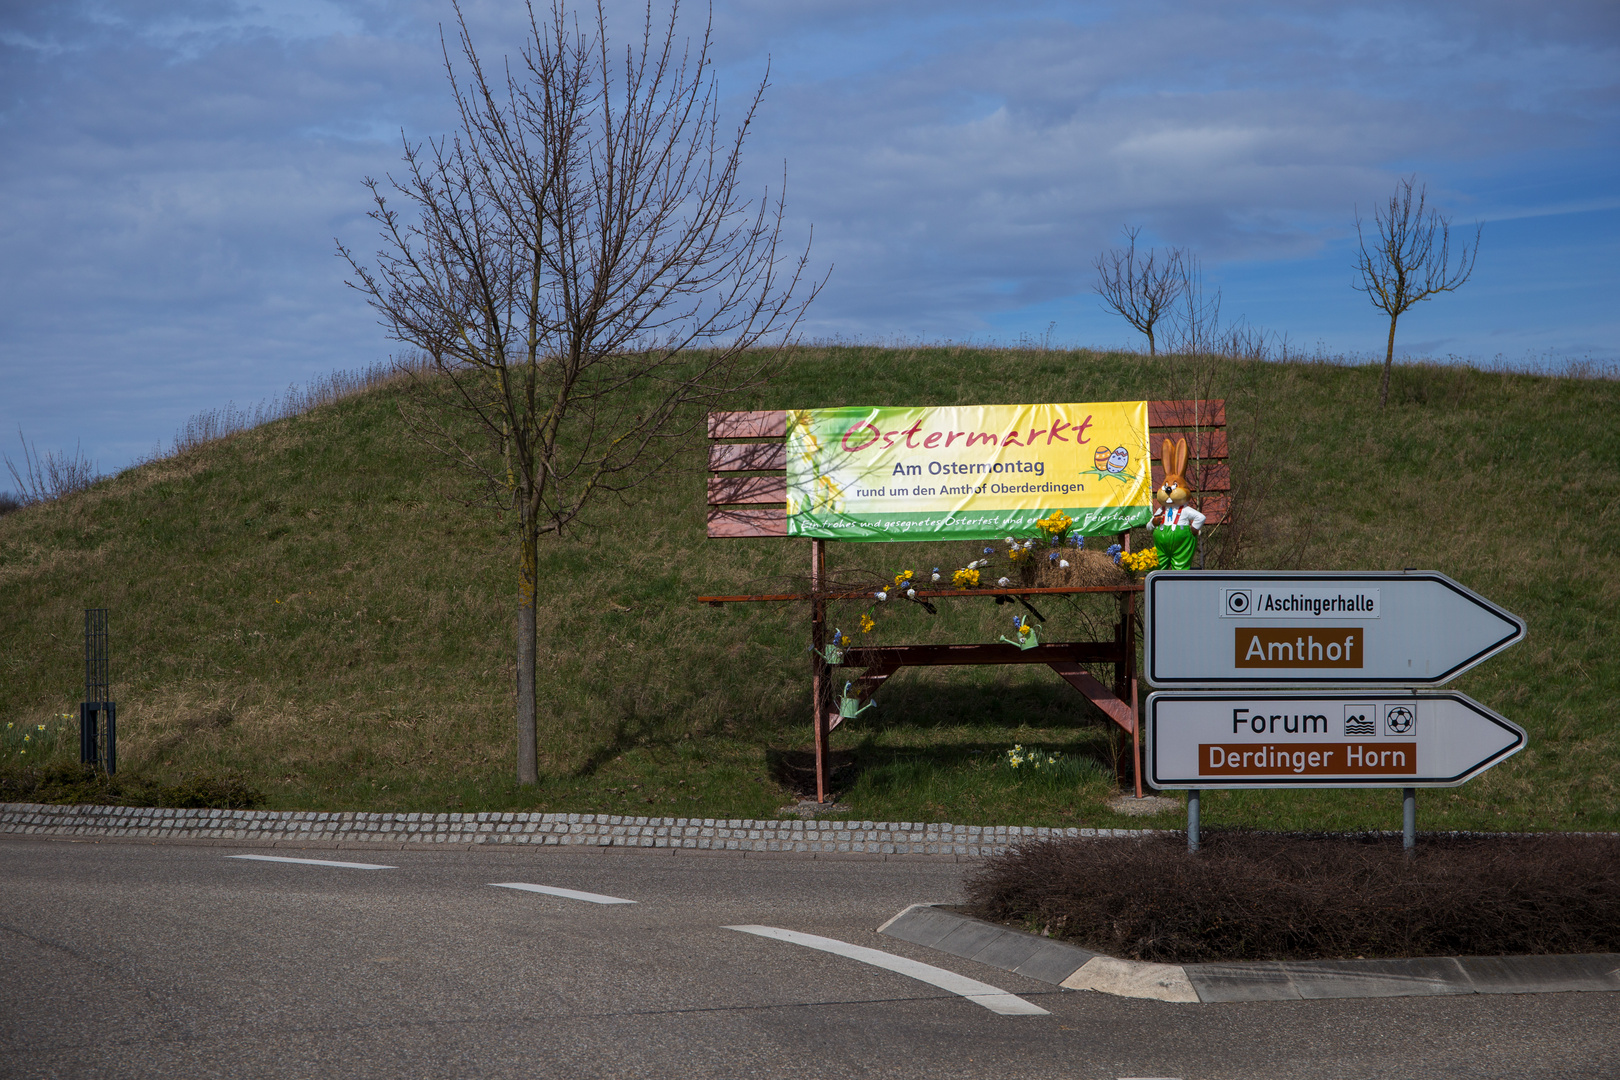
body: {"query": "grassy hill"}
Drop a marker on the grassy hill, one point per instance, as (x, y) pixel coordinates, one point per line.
(303, 605)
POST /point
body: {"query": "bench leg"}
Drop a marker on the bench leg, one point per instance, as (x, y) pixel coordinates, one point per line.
(1099, 695)
(820, 674)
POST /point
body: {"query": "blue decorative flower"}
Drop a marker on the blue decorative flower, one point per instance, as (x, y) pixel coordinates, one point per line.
(988, 551)
(1114, 551)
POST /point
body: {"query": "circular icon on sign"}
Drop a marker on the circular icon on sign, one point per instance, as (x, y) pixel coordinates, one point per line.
(1398, 719)
(1237, 601)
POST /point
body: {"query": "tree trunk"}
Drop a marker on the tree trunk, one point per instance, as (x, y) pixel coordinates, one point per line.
(1151, 350)
(1389, 360)
(528, 544)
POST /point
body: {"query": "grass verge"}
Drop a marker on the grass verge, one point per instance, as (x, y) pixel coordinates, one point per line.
(305, 605)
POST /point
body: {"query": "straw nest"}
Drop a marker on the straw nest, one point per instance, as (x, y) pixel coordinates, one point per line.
(1086, 568)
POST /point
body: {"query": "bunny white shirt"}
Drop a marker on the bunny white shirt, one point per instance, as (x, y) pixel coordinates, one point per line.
(1182, 515)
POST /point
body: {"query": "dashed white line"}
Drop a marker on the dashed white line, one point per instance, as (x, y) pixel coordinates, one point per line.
(993, 998)
(566, 894)
(315, 862)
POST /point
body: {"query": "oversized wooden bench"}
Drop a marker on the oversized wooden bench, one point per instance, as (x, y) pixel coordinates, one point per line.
(747, 497)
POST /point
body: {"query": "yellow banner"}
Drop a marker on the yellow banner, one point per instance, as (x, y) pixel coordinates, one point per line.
(966, 471)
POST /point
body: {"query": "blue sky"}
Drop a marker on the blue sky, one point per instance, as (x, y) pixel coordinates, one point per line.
(173, 176)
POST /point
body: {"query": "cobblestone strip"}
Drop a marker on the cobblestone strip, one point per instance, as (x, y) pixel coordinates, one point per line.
(587, 830)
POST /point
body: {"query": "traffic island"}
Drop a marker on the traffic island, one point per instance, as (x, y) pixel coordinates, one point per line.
(1250, 896)
(1073, 968)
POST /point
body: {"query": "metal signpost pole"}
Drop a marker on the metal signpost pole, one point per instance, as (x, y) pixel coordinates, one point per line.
(1409, 819)
(1192, 819)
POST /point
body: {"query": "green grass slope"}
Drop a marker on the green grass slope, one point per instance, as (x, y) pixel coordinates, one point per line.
(303, 606)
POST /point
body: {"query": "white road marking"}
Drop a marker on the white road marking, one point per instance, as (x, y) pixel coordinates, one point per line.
(566, 894)
(314, 862)
(993, 998)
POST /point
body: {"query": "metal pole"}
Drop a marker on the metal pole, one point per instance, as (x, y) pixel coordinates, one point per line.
(109, 757)
(1136, 740)
(1192, 820)
(820, 675)
(1409, 820)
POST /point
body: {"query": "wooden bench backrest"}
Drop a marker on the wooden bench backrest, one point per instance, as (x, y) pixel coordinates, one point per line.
(756, 504)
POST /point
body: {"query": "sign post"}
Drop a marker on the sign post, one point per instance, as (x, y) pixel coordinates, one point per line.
(1363, 647)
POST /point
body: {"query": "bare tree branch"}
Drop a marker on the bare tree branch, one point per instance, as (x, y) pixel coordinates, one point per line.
(1142, 292)
(581, 265)
(1404, 265)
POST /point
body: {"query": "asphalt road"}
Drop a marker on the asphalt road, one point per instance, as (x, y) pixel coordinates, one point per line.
(152, 960)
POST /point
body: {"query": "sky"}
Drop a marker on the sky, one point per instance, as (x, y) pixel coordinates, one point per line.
(175, 176)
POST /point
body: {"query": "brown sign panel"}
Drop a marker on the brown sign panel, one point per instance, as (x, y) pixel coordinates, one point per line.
(1306, 759)
(1298, 646)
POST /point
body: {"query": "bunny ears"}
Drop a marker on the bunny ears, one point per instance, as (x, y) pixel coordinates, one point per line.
(1174, 457)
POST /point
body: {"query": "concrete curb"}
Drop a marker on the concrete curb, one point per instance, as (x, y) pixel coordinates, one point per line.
(304, 828)
(1074, 968)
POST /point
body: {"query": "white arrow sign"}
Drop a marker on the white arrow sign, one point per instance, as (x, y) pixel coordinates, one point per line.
(1232, 739)
(1317, 629)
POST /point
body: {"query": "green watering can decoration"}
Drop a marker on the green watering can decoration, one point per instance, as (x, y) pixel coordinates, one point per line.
(850, 707)
(1028, 635)
(833, 651)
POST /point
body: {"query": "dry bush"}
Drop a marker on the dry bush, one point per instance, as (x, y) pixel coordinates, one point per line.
(211, 425)
(1267, 896)
(48, 476)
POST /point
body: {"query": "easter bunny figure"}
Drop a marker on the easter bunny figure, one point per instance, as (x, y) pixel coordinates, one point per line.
(1175, 524)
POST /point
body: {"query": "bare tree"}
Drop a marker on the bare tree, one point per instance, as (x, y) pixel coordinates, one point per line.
(1404, 264)
(1144, 292)
(584, 272)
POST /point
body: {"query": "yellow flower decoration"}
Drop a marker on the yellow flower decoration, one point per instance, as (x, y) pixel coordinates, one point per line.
(1140, 561)
(965, 579)
(866, 624)
(1055, 524)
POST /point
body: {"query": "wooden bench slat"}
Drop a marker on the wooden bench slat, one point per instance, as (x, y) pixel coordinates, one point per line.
(1172, 414)
(1202, 444)
(1215, 508)
(733, 523)
(748, 425)
(748, 457)
(1214, 476)
(729, 490)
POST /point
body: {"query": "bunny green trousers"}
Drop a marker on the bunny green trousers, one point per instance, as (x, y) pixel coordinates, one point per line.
(1176, 545)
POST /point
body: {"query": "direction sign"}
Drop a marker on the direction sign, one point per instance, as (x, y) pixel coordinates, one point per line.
(1234, 739)
(1317, 629)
